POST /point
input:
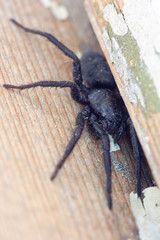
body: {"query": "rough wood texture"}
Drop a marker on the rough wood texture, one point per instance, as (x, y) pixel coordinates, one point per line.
(35, 126)
(136, 85)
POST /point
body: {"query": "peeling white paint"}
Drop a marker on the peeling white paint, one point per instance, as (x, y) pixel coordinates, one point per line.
(142, 18)
(58, 11)
(147, 215)
(133, 91)
(113, 147)
(116, 20)
(137, 93)
(107, 42)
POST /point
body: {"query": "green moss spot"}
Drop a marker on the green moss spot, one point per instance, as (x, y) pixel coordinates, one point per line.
(96, 7)
(138, 71)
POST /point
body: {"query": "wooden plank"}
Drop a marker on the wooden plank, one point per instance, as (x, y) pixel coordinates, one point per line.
(35, 127)
(127, 59)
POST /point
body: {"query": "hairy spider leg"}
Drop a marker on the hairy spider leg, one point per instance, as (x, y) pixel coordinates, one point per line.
(77, 74)
(80, 121)
(75, 92)
(137, 154)
(106, 155)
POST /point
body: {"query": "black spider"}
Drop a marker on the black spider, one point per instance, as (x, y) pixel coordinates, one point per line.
(103, 109)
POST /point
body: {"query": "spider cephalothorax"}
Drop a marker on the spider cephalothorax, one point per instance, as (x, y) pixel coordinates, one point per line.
(103, 109)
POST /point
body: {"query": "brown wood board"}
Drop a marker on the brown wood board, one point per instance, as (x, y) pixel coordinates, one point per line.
(35, 127)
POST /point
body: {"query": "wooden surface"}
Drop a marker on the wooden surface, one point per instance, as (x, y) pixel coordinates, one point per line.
(35, 127)
(145, 115)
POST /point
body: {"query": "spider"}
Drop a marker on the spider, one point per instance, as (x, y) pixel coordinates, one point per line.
(103, 110)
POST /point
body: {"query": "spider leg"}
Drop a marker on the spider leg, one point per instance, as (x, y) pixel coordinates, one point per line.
(137, 154)
(77, 75)
(106, 155)
(80, 121)
(120, 132)
(76, 94)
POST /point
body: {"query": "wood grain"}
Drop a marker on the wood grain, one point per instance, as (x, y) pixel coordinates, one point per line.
(35, 127)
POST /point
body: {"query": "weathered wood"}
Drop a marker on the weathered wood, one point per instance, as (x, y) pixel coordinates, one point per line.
(35, 127)
(137, 79)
